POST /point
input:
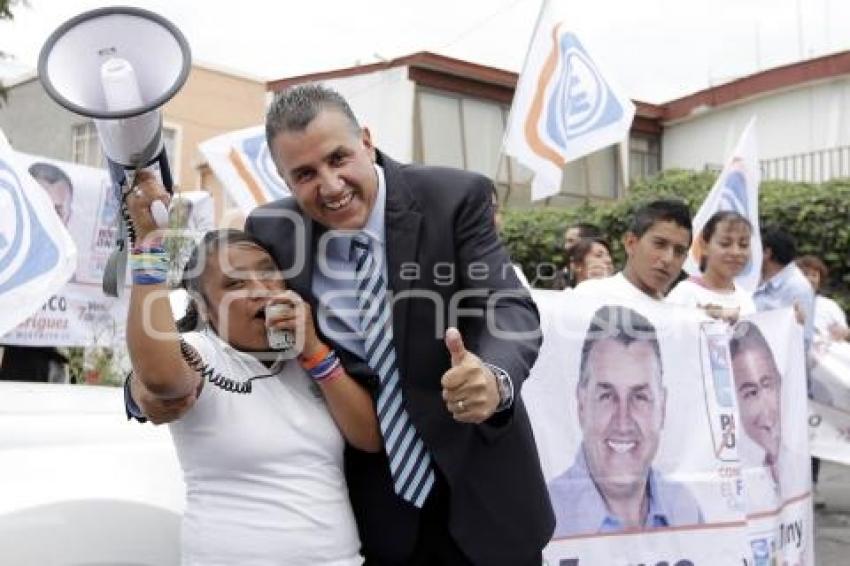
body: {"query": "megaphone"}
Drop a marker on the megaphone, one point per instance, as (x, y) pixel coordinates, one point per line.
(118, 65)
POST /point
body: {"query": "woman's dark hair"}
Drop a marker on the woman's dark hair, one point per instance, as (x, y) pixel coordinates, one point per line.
(806, 262)
(580, 251)
(193, 272)
(711, 227)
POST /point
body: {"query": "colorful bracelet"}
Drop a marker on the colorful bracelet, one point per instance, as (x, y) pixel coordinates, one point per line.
(149, 265)
(333, 375)
(328, 368)
(315, 359)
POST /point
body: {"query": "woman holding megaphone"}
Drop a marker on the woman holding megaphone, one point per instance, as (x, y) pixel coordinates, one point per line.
(262, 431)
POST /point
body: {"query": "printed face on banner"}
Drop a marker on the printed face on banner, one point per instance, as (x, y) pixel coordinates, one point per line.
(78, 314)
(659, 454)
(758, 385)
(621, 411)
(58, 187)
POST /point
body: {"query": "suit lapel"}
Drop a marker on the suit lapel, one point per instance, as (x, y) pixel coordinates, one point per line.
(302, 283)
(402, 223)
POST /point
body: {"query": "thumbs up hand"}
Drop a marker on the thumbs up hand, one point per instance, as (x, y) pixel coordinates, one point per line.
(469, 387)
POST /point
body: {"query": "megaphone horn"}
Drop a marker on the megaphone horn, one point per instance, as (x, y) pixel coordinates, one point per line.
(118, 65)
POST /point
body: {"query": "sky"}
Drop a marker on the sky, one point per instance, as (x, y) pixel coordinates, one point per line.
(657, 50)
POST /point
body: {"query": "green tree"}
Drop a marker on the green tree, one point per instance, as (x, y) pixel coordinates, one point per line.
(6, 14)
(815, 214)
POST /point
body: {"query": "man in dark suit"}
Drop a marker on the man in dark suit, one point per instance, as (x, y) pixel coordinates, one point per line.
(431, 229)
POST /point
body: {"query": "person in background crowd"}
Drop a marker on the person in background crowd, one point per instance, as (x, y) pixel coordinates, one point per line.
(784, 285)
(572, 235)
(724, 245)
(782, 282)
(830, 320)
(656, 243)
(590, 258)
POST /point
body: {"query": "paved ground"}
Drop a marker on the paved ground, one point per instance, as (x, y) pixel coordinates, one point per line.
(832, 525)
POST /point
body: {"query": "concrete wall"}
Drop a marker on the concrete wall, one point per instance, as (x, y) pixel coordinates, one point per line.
(211, 103)
(798, 120)
(34, 124)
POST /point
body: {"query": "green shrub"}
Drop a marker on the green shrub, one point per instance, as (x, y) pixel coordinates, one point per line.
(818, 216)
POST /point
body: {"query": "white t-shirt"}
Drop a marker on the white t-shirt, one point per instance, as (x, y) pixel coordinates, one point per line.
(263, 470)
(827, 313)
(691, 293)
(616, 286)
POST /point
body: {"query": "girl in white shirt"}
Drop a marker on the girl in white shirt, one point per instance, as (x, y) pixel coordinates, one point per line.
(262, 445)
(724, 244)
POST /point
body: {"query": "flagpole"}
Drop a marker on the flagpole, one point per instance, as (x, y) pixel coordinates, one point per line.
(502, 153)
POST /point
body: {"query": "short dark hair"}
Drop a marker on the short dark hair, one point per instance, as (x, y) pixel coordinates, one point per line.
(621, 324)
(586, 230)
(293, 108)
(662, 210)
(50, 173)
(816, 263)
(746, 336)
(195, 268)
(781, 244)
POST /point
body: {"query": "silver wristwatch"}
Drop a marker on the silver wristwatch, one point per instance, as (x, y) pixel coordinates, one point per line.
(505, 385)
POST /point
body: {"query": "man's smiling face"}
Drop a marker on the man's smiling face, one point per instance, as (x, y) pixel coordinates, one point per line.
(329, 168)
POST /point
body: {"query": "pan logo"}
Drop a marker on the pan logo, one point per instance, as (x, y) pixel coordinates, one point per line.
(18, 264)
(734, 194)
(581, 100)
(263, 167)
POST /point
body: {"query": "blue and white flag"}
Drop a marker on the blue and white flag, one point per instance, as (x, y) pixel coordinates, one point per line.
(737, 188)
(242, 162)
(564, 106)
(37, 255)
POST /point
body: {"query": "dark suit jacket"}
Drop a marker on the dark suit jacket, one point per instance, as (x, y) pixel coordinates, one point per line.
(438, 218)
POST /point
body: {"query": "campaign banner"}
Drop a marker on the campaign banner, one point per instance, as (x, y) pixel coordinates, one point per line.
(36, 252)
(829, 409)
(768, 364)
(78, 314)
(829, 433)
(651, 442)
(242, 162)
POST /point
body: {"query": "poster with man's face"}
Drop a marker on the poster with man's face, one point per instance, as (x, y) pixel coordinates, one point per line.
(635, 413)
(770, 385)
(79, 314)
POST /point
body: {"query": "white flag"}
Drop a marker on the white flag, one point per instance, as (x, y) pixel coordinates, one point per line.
(737, 188)
(564, 107)
(37, 255)
(242, 163)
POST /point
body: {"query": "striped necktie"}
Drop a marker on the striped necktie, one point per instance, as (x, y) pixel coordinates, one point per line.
(410, 463)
